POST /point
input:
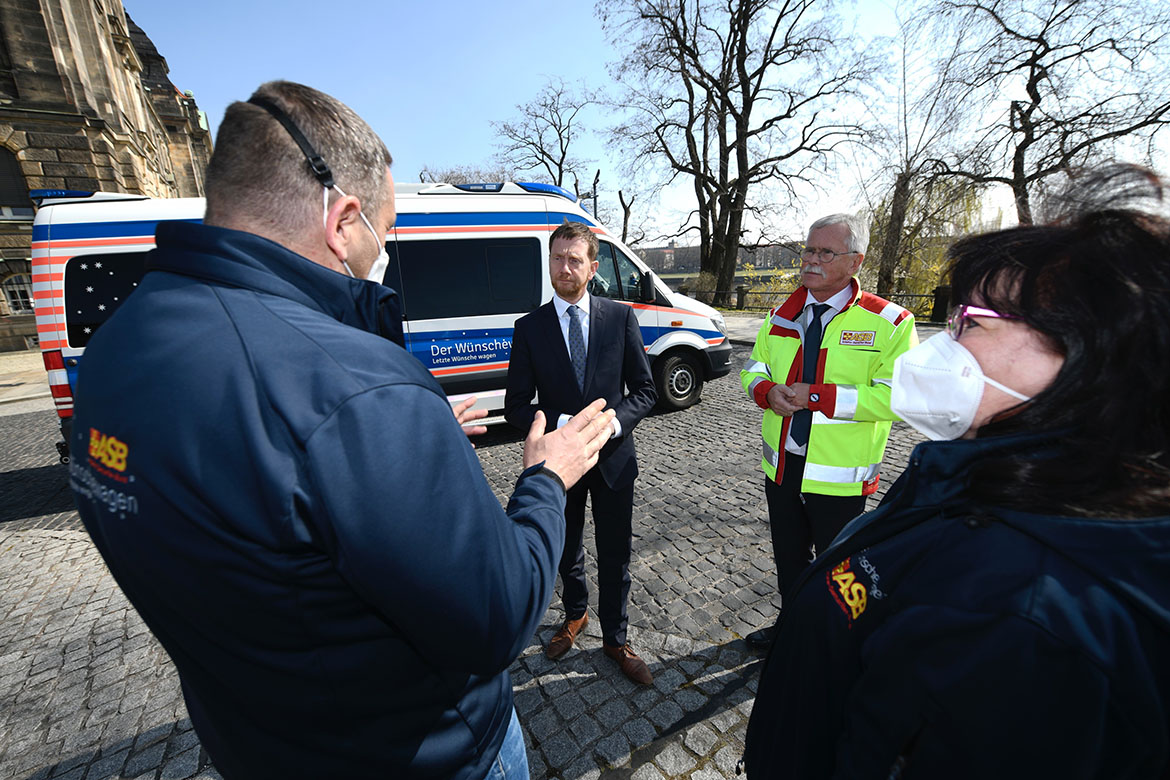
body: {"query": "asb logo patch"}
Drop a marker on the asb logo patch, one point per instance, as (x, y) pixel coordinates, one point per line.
(858, 338)
(107, 450)
(851, 595)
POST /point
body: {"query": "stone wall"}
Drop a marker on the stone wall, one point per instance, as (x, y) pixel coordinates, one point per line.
(17, 333)
(86, 104)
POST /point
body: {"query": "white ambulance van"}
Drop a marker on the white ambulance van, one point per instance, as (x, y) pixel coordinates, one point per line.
(466, 260)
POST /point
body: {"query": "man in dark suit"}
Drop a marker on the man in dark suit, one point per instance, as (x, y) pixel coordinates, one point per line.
(571, 350)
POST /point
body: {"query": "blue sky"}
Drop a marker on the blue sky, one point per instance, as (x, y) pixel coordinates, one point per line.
(429, 77)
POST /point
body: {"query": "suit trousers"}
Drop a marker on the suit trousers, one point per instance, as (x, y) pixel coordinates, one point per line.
(801, 520)
(613, 511)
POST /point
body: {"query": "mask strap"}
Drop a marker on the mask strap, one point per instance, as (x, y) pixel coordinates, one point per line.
(316, 161)
(1006, 389)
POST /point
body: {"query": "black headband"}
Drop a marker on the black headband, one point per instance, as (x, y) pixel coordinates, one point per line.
(316, 161)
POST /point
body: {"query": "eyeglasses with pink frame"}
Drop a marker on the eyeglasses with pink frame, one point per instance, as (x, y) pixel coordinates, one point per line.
(961, 314)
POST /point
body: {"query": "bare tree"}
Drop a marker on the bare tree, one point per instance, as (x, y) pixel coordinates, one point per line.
(465, 174)
(933, 213)
(543, 138)
(627, 208)
(730, 95)
(923, 113)
(1062, 82)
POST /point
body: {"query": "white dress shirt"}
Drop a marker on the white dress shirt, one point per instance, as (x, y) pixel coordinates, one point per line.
(835, 303)
(562, 309)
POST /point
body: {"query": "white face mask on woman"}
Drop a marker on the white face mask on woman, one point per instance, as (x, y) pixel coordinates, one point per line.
(937, 387)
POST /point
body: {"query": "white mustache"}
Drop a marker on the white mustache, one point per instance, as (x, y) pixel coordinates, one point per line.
(814, 269)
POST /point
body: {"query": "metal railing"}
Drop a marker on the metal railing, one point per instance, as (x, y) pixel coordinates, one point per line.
(932, 307)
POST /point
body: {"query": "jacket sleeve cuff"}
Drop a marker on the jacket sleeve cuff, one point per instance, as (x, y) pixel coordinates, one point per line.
(540, 468)
(760, 393)
(823, 399)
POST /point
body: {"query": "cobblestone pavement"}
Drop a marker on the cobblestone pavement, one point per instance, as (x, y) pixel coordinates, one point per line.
(86, 692)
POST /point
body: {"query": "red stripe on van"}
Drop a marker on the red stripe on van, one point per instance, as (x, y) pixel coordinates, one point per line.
(467, 369)
(69, 243)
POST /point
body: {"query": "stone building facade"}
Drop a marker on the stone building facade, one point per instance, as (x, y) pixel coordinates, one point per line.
(85, 104)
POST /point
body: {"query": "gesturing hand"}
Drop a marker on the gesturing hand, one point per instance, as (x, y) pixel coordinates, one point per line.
(572, 449)
(464, 416)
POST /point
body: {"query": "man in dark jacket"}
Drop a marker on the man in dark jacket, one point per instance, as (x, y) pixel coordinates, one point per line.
(575, 348)
(283, 492)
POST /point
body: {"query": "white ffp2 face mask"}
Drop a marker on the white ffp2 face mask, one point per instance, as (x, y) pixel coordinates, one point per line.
(937, 387)
(378, 269)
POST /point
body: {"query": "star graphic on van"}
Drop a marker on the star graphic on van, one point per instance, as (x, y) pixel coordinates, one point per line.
(96, 289)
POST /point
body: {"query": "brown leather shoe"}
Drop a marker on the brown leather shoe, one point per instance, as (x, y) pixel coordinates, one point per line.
(563, 639)
(632, 666)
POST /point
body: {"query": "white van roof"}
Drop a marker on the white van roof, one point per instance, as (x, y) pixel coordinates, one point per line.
(58, 196)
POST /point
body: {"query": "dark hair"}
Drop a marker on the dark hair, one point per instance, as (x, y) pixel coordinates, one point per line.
(258, 172)
(572, 231)
(1094, 281)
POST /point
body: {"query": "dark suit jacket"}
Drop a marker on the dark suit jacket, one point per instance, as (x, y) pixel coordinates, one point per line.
(616, 359)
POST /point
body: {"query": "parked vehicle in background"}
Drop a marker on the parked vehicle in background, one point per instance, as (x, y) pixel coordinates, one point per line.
(467, 261)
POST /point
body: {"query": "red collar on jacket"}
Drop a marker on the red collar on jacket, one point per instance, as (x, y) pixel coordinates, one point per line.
(792, 307)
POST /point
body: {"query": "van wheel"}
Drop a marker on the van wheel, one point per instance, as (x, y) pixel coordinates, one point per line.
(678, 381)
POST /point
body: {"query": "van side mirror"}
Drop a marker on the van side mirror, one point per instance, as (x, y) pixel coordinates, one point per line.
(646, 292)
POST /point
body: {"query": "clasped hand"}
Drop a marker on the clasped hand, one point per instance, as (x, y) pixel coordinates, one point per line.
(786, 400)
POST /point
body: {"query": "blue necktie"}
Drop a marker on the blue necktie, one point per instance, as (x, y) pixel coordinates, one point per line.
(577, 346)
(802, 420)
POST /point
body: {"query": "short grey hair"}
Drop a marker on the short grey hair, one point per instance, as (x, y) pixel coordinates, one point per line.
(259, 174)
(856, 224)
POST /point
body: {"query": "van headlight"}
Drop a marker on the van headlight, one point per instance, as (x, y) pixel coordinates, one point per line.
(720, 324)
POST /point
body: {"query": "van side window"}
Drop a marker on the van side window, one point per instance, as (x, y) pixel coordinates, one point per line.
(604, 283)
(629, 274)
(617, 277)
(95, 286)
(465, 277)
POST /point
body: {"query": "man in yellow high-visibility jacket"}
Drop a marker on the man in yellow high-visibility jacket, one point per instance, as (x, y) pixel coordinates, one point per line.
(821, 371)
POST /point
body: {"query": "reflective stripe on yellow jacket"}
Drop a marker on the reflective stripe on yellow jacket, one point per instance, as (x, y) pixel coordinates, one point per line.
(849, 396)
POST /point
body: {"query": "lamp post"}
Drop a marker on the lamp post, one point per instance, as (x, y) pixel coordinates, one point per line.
(593, 193)
(596, 180)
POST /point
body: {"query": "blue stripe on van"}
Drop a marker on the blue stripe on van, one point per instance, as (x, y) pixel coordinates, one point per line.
(650, 334)
(466, 348)
(476, 218)
(66, 231)
(460, 348)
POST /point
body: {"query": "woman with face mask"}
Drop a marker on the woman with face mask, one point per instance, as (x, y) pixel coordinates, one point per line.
(1005, 612)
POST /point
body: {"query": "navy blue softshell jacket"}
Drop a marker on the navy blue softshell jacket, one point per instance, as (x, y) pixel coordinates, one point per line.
(288, 501)
(937, 638)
